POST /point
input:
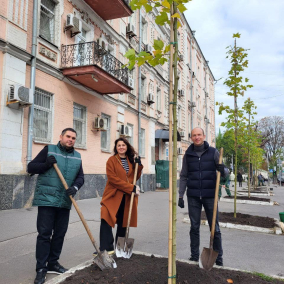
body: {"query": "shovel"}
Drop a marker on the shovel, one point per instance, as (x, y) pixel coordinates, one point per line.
(208, 255)
(124, 246)
(103, 260)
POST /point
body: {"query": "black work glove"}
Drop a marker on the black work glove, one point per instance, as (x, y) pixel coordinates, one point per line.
(181, 202)
(138, 160)
(220, 168)
(71, 191)
(50, 160)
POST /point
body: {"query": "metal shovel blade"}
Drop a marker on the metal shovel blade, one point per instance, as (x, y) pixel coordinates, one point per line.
(104, 261)
(124, 247)
(208, 258)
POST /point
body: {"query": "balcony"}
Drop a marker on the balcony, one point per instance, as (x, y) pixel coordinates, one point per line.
(110, 9)
(94, 67)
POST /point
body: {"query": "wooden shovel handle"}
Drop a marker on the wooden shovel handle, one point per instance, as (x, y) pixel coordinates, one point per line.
(77, 209)
(216, 201)
(131, 202)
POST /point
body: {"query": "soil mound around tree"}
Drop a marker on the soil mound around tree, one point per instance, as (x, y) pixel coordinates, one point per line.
(140, 269)
(252, 198)
(244, 219)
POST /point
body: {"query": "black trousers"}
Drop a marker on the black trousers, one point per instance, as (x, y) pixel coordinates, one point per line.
(52, 225)
(106, 236)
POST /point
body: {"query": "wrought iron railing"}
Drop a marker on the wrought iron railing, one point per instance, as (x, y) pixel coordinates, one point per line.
(91, 53)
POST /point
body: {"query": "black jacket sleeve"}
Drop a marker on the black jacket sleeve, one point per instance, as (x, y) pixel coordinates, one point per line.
(79, 181)
(37, 165)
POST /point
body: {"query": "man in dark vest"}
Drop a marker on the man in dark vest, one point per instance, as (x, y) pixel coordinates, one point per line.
(53, 200)
(198, 176)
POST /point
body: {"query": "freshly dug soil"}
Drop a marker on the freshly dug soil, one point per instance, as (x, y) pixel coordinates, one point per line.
(253, 198)
(141, 269)
(244, 219)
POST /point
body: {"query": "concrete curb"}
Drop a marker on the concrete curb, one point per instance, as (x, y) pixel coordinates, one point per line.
(276, 230)
(61, 278)
(253, 194)
(247, 201)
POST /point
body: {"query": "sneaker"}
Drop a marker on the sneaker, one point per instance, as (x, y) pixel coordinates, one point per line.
(193, 259)
(40, 276)
(110, 252)
(56, 268)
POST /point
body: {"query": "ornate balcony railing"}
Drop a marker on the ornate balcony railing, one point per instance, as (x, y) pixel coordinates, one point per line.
(91, 53)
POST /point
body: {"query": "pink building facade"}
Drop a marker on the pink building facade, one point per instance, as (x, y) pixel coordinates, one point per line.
(80, 82)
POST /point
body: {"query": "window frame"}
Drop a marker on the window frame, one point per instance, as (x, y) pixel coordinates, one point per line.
(84, 126)
(107, 131)
(52, 38)
(142, 143)
(130, 139)
(50, 116)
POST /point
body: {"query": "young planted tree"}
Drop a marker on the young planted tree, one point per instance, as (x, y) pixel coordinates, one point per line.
(249, 136)
(168, 13)
(237, 85)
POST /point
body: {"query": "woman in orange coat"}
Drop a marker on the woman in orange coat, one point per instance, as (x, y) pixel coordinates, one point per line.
(116, 197)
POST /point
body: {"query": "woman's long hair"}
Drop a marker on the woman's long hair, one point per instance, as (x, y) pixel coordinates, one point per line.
(130, 153)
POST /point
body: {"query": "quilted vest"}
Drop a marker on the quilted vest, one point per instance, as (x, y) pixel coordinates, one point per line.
(202, 176)
(49, 189)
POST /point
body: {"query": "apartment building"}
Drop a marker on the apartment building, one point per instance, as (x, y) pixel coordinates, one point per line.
(75, 62)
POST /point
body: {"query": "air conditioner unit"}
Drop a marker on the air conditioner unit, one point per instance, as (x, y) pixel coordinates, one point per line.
(193, 75)
(181, 57)
(130, 30)
(148, 48)
(193, 104)
(205, 117)
(130, 82)
(182, 134)
(125, 131)
(181, 93)
(19, 96)
(206, 94)
(150, 99)
(103, 43)
(74, 24)
(100, 123)
(180, 151)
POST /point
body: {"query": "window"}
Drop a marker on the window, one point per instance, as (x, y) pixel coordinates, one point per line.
(144, 31)
(42, 128)
(158, 99)
(143, 88)
(47, 20)
(130, 139)
(105, 135)
(142, 143)
(179, 116)
(79, 124)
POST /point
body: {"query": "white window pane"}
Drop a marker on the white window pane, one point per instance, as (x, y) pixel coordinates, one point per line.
(79, 124)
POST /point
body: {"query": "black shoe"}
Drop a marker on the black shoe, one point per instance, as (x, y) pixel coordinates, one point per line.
(193, 259)
(40, 276)
(56, 268)
(219, 262)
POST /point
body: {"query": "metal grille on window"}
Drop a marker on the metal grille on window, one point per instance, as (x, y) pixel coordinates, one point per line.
(42, 115)
(47, 25)
(79, 122)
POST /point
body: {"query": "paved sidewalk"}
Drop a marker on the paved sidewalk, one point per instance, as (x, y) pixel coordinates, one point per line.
(244, 250)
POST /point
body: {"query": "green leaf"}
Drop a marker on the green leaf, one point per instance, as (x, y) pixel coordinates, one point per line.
(181, 8)
(162, 18)
(176, 15)
(166, 4)
(130, 53)
(158, 44)
(238, 35)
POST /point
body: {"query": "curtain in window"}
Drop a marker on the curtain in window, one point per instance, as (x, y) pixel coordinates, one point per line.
(47, 10)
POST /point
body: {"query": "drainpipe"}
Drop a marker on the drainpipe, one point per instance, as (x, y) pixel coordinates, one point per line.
(139, 97)
(32, 80)
(191, 86)
(206, 102)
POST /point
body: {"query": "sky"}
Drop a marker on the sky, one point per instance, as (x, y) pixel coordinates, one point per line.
(260, 23)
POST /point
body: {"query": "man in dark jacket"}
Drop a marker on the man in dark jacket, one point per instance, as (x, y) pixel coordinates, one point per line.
(198, 176)
(53, 200)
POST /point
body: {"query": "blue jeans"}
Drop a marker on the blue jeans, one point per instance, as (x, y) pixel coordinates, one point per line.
(194, 212)
(52, 224)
